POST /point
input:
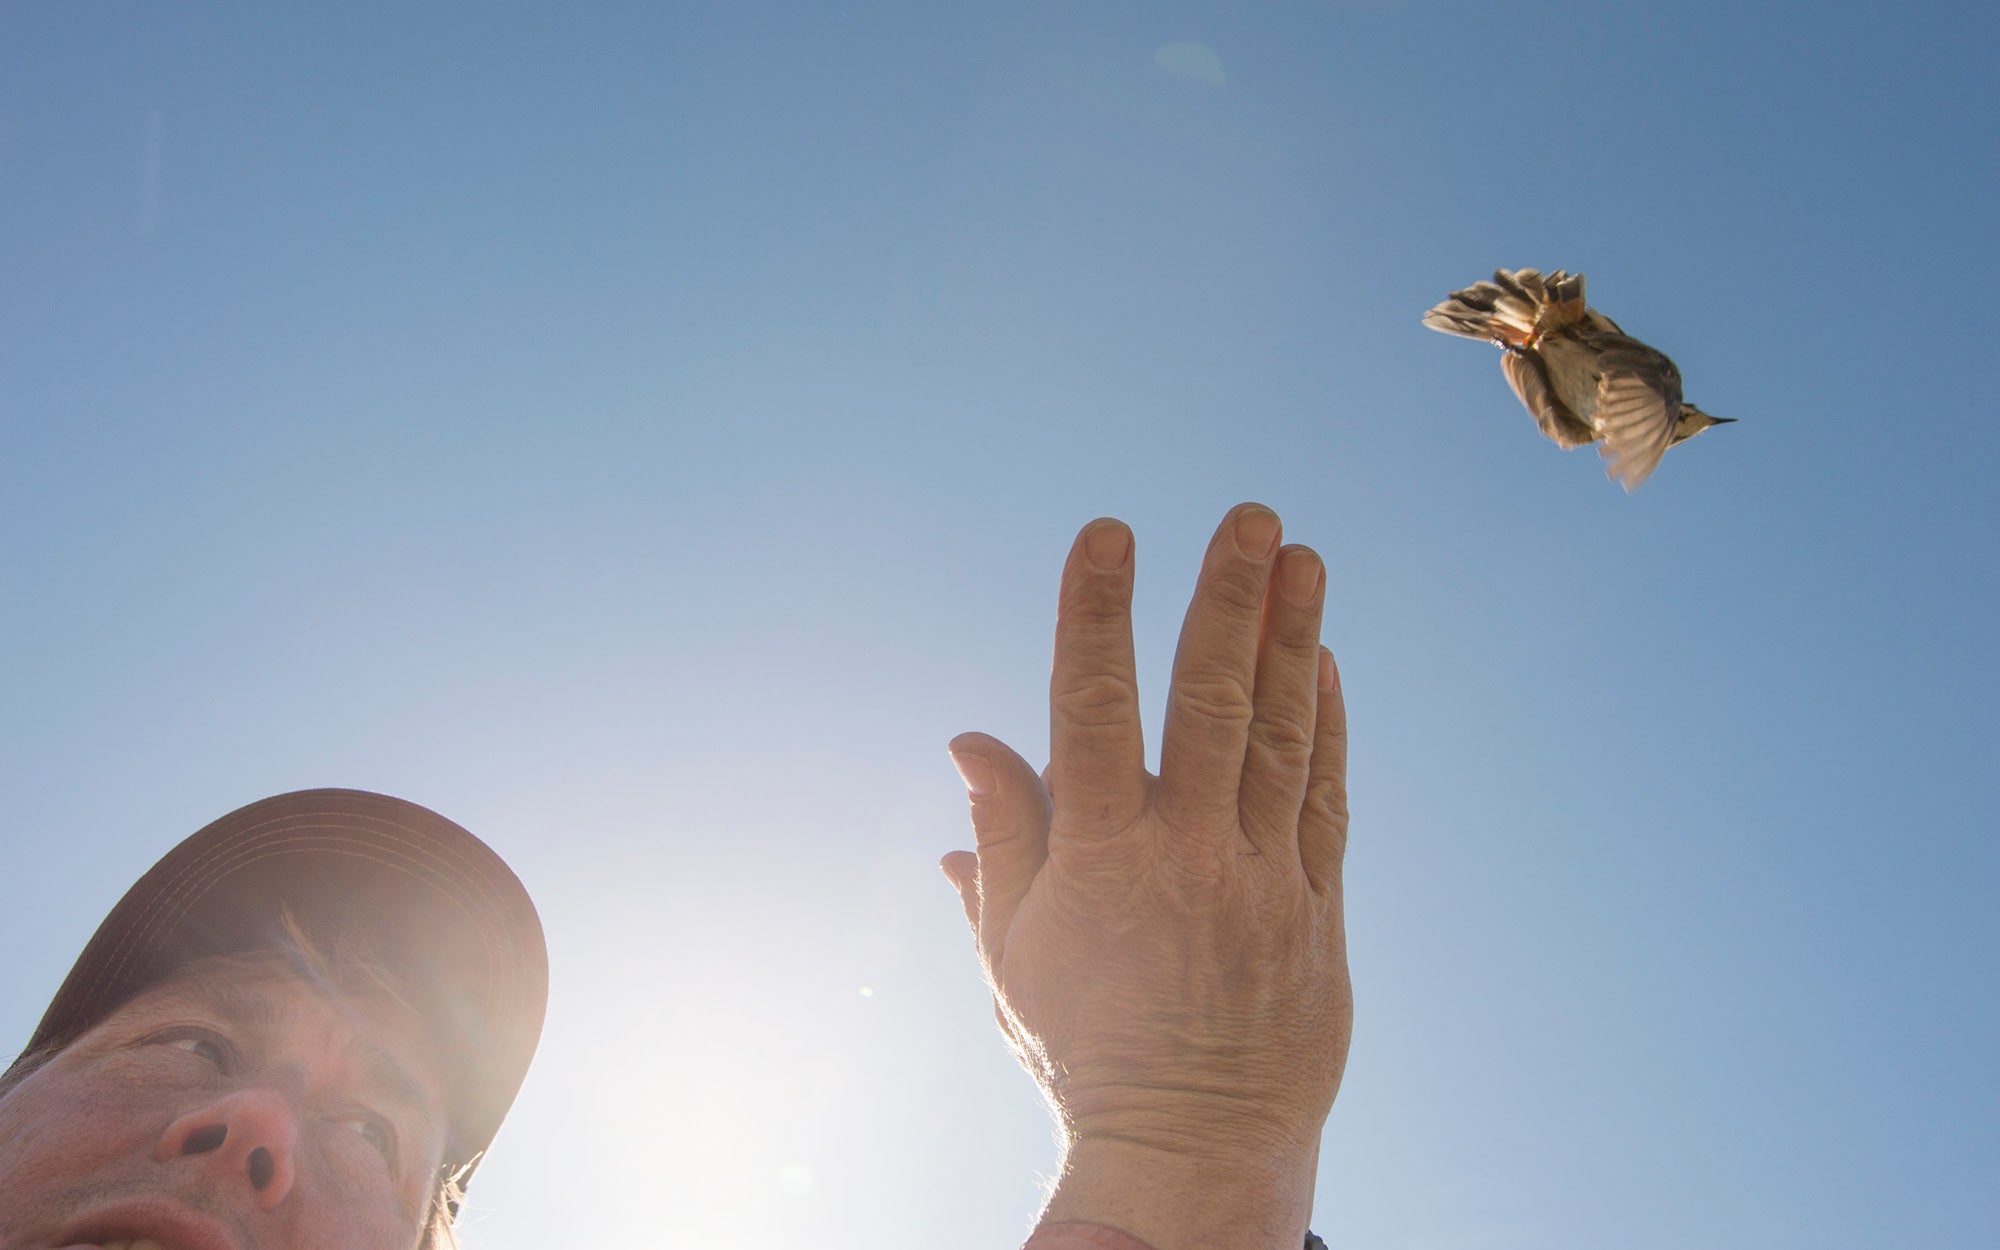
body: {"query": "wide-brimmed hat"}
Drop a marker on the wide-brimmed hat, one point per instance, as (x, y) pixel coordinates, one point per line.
(431, 903)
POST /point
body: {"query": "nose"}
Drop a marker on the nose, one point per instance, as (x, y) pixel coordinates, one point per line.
(246, 1138)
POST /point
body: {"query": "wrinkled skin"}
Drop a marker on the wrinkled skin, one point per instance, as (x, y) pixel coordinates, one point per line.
(1167, 954)
(256, 1110)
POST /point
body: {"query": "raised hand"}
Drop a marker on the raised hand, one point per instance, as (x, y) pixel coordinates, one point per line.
(1167, 954)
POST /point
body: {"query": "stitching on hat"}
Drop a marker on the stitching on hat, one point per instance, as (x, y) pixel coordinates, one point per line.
(223, 856)
(187, 890)
(201, 875)
(483, 902)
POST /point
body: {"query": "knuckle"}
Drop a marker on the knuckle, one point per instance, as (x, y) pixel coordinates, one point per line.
(1295, 640)
(1326, 805)
(1216, 698)
(1331, 742)
(999, 831)
(1094, 700)
(1239, 592)
(1090, 606)
(1284, 738)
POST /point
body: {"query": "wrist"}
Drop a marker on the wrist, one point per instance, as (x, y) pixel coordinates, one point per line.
(1174, 1198)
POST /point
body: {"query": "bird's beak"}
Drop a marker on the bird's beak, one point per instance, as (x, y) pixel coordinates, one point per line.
(1722, 420)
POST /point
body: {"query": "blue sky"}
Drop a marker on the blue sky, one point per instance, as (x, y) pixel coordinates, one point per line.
(647, 434)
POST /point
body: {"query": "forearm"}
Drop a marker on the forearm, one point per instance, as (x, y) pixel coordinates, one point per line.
(1175, 1201)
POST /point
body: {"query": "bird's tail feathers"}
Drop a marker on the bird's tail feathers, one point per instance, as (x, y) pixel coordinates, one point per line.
(1515, 308)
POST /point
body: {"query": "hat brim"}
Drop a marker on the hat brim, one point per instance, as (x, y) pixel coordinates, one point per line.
(435, 905)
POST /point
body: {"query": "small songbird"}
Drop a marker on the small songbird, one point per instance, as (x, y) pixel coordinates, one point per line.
(1582, 378)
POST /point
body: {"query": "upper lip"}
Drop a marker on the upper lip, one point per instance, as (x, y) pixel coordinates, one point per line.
(172, 1226)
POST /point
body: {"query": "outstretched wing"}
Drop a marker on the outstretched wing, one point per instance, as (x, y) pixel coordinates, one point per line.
(1638, 404)
(1531, 385)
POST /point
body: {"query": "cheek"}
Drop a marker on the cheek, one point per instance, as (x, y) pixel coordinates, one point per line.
(353, 1176)
(71, 1122)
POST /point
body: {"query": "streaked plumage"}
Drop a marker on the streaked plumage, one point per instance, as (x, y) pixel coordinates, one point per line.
(1582, 378)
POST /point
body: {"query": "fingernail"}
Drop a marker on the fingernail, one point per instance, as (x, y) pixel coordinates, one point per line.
(1299, 575)
(1256, 531)
(1329, 676)
(1106, 545)
(978, 774)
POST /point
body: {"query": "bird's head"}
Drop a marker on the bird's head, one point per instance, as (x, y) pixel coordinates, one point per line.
(1693, 421)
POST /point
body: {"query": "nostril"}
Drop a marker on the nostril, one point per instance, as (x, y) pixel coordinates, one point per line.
(204, 1139)
(262, 1168)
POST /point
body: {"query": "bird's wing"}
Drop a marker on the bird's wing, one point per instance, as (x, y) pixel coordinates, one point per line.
(1638, 404)
(1503, 311)
(1517, 307)
(1531, 385)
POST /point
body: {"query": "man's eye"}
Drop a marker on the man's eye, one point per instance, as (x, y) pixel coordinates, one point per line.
(213, 1049)
(378, 1135)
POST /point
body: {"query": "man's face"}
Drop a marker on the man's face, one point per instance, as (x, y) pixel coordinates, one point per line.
(227, 1110)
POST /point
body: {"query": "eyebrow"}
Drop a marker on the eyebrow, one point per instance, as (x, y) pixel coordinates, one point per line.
(387, 1073)
(227, 1001)
(259, 1014)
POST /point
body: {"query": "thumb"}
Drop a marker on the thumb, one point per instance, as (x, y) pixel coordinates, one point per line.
(1010, 821)
(961, 868)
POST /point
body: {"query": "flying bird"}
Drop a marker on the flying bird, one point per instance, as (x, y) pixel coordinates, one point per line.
(1582, 378)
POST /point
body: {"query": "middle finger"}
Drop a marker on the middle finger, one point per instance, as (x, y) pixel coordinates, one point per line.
(1211, 701)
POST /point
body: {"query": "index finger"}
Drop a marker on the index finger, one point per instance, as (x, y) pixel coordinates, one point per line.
(1097, 753)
